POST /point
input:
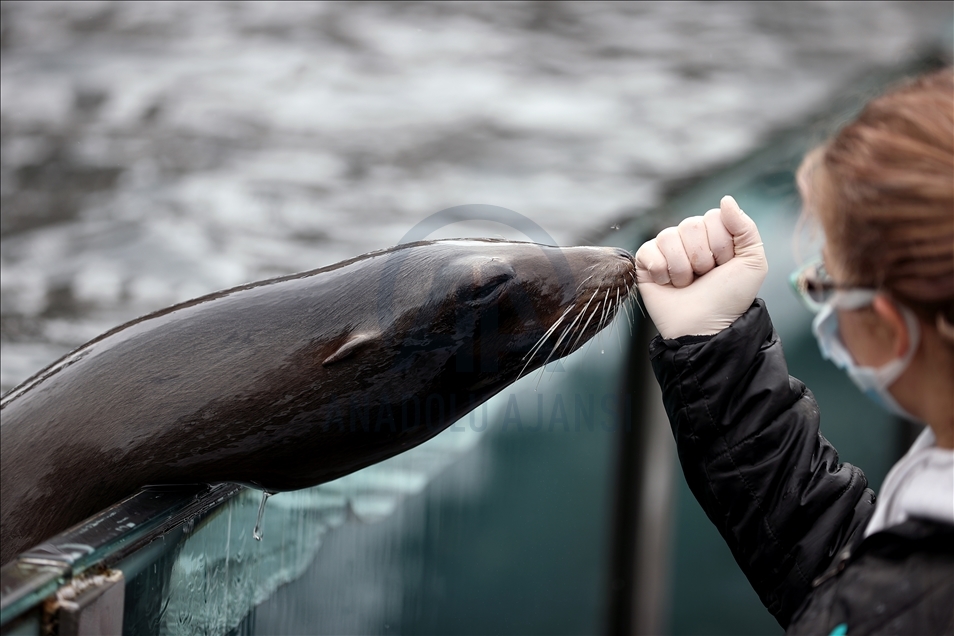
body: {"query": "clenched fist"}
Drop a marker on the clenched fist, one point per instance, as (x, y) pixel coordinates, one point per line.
(697, 278)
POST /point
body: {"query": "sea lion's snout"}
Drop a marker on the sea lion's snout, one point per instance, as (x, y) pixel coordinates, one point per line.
(624, 254)
(606, 268)
(579, 295)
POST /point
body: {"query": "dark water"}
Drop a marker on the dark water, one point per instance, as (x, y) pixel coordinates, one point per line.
(155, 152)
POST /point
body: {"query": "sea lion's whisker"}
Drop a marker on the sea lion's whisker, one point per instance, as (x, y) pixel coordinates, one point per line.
(629, 315)
(536, 347)
(583, 331)
(639, 303)
(605, 319)
(566, 330)
(575, 320)
(583, 311)
(546, 335)
(600, 324)
(616, 313)
(555, 347)
(584, 280)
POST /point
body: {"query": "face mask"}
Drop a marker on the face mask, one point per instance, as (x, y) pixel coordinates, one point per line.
(872, 381)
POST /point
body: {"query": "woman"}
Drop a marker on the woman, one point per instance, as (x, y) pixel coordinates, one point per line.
(824, 555)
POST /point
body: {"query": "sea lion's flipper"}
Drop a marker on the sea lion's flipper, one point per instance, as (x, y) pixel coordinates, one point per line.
(354, 342)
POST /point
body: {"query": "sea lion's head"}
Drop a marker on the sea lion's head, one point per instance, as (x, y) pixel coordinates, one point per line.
(474, 315)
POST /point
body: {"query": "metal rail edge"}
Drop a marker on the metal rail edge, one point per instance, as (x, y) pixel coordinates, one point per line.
(104, 538)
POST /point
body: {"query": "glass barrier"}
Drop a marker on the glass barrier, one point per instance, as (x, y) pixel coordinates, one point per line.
(500, 524)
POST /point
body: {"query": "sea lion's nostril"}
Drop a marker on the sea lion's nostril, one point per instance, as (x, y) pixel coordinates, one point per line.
(624, 254)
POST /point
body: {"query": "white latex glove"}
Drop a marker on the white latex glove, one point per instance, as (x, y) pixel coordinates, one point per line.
(697, 278)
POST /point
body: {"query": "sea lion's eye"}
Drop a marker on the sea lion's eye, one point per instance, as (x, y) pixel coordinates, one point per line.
(490, 287)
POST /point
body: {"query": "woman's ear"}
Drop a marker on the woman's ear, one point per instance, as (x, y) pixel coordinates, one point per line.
(894, 330)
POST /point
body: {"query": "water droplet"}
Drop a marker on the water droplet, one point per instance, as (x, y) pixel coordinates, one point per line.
(602, 351)
(257, 532)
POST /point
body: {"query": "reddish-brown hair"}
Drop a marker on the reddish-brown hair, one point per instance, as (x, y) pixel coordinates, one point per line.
(883, 190)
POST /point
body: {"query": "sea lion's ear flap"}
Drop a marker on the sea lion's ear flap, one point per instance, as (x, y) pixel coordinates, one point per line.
(354, 342)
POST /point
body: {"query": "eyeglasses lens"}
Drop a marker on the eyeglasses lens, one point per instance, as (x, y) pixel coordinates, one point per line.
(813, 284)
(817, 284)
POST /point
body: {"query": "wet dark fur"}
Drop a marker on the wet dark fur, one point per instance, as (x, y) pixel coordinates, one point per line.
(295, 381)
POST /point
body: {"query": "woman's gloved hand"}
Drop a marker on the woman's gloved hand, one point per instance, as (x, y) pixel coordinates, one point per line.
(697, 278)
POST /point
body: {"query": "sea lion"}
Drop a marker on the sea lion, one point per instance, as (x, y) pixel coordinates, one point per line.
(294, 381)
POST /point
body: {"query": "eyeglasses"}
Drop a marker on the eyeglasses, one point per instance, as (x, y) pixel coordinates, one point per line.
(816, 288)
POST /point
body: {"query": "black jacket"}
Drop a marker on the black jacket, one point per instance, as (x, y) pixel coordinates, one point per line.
(793, 516)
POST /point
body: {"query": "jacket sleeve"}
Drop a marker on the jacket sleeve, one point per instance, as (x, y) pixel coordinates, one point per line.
(748, 441)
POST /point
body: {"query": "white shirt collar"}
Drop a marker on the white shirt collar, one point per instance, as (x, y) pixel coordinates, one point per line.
(921, 485)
